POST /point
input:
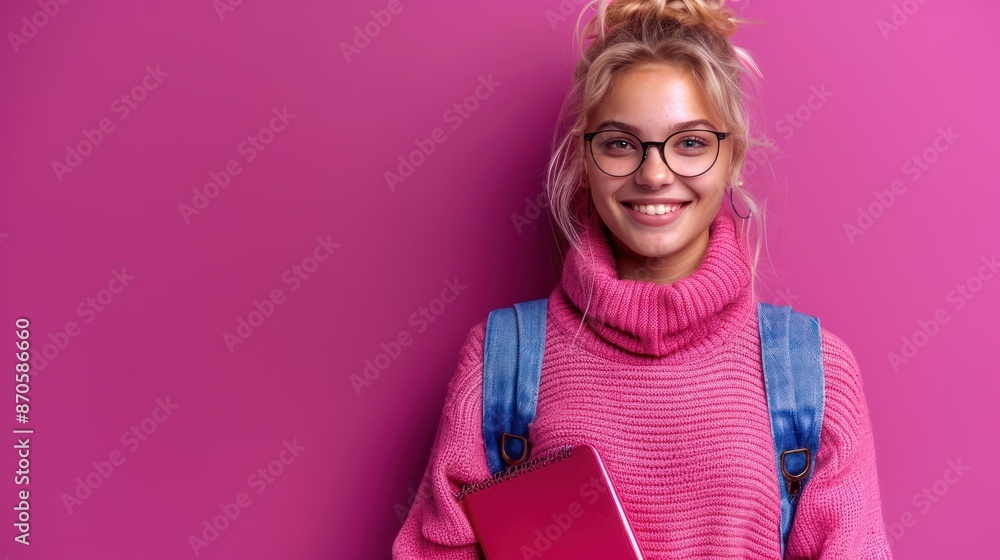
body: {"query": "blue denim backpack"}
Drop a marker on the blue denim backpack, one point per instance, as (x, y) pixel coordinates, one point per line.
(793, 379)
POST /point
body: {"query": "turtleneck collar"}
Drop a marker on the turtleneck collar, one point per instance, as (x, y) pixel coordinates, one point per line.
(633, 320)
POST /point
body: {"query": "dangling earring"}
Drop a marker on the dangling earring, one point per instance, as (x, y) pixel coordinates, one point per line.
(733, 203)
(590, 206)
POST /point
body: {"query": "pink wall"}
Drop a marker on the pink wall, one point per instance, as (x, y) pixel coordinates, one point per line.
(278, 143)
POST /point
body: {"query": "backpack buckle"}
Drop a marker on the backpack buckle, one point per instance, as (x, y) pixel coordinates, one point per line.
(503, 449)
(794, 480)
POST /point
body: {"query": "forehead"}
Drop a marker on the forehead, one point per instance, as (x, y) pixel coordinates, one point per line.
(653, 98)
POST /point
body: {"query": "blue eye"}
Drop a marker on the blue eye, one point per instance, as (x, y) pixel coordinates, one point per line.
(697, 142)
(618, 142)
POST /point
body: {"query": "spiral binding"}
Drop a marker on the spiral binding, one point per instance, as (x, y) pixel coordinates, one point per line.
(517, 470)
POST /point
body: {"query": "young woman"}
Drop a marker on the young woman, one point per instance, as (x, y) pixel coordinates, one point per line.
(653, 351)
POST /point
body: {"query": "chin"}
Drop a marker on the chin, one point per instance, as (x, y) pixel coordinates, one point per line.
(647, 242)
(660, 248)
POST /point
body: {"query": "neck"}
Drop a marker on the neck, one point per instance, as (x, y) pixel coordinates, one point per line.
(633, 321)
(659, 270)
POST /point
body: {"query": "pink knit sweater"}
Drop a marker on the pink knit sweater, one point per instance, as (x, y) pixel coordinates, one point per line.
(666, 381)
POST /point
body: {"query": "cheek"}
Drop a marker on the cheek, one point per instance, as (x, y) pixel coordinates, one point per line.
(711, 190)
(603, 190)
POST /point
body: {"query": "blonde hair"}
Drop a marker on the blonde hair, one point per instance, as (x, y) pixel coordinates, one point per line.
(691, 34)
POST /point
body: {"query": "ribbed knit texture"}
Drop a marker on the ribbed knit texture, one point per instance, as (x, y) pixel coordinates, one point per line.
(666, 382)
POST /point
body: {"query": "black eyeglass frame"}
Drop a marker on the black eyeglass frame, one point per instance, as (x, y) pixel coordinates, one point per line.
(661, 146)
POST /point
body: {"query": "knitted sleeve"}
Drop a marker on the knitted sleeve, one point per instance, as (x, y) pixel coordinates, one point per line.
(436, 526)
(840, 512)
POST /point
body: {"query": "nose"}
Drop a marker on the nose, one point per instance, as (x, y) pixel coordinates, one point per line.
(654, 172)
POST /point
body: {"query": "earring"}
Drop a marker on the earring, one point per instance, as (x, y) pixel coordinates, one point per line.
(590, 206)
(733, 203)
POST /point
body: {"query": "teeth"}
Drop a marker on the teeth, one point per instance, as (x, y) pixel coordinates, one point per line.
(654, 209)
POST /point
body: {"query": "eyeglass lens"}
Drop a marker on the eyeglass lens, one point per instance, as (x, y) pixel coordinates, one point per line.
(688, 153)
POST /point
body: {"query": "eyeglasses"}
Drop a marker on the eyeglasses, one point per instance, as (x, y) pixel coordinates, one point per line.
(620, 154)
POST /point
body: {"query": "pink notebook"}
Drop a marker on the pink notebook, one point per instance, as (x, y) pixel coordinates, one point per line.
(557, 506)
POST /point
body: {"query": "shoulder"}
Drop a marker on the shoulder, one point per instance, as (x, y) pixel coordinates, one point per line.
(468, 376)
(845, 409)
(470, 356)
(841, 372)
(469, 371)
(844, 384)
(465, 385)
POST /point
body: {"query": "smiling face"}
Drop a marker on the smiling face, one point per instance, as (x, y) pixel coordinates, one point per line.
(654, 102)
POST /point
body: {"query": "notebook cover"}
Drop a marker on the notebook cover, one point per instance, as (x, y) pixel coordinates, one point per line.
(558, 506)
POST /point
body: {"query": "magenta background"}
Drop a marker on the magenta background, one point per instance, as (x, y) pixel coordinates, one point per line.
(323, 175)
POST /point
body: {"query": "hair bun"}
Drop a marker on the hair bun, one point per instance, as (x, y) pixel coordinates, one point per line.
(712, 14)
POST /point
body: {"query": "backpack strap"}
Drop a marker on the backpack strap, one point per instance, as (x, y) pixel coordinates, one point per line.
(793, 378)
(512, 365)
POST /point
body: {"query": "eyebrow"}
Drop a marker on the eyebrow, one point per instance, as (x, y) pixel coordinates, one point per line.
(616, 125)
